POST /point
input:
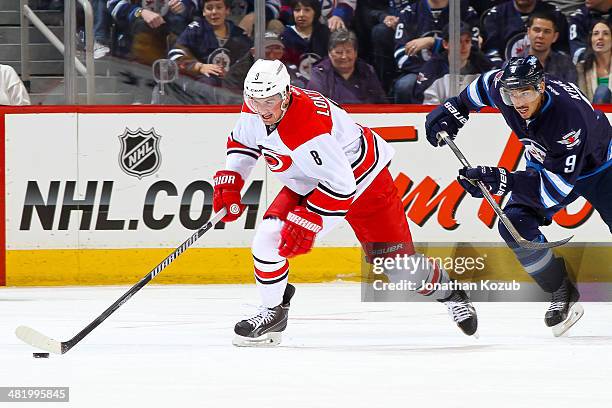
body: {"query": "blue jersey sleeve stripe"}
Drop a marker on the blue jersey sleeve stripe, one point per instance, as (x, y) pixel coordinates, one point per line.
(485, 81)
(545, 197)
(472, 94)
(562, 186)
(552, 190)
(532, 164)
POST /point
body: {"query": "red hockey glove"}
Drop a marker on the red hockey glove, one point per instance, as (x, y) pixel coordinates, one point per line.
(227, 194)
(299, 232)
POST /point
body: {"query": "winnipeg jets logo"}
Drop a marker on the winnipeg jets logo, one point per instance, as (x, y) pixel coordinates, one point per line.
(140, 155)
(571, 140)
(277, 162)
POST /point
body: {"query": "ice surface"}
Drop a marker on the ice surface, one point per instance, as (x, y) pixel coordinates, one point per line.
(170, 346)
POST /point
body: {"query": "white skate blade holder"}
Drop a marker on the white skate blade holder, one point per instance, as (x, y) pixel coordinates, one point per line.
(271, 339)
(575, 313)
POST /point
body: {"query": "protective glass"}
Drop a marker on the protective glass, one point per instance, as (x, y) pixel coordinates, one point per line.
(263, 105)
(512, 97)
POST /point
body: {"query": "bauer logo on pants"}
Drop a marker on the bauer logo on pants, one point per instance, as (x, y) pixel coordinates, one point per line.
(140, 154)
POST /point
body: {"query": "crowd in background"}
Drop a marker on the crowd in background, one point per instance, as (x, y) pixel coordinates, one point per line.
(357, 51)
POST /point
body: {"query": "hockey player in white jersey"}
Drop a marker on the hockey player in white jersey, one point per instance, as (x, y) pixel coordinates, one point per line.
(332, 169)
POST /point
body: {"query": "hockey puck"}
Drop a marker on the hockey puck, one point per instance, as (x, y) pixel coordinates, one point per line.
(40, 355)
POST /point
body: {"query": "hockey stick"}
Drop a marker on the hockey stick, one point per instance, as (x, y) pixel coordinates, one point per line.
(39, 340)
(522, 242)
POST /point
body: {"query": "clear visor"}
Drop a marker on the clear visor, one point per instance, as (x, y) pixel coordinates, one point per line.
(514, 97)
(263, 105)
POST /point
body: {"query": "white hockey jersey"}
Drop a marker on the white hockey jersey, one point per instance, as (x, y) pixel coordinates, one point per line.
(317, 150)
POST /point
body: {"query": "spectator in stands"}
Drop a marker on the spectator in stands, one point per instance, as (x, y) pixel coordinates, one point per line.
(187, 91)
(274, 50)
(247, 22)
(101, 29)
(306, 41)
(344, 77)
(150, 25)
(210, 46)
(504, 28)
(12, 90)
(378, 20)
(433, 82)
(542, 33)
(416, 39)
(595, 72)
(582, 20)
(336, 14)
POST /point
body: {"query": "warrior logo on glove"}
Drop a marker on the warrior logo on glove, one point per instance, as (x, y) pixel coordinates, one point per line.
(226, 194)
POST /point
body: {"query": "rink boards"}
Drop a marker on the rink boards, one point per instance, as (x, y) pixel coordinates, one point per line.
(100, 195)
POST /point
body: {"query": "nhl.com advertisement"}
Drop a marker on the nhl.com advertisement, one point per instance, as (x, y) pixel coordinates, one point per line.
(144, 180)
(140, 181)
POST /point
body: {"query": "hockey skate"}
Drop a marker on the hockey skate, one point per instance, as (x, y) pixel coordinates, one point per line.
(564, 310)
(266, 327)
(462, 312)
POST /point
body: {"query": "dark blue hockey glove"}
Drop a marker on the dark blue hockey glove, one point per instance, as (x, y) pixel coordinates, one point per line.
(498, 180)
(450, 117)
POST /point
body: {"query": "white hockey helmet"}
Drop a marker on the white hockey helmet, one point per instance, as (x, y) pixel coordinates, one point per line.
(266, 78)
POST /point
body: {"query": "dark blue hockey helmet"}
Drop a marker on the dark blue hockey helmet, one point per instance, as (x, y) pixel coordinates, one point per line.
(521, 72)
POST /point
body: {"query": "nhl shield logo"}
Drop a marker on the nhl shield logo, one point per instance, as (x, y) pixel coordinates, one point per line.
(139, 156)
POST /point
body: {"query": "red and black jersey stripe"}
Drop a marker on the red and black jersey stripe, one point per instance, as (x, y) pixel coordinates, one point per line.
(325, 201)
(368, 158)
(234, 147)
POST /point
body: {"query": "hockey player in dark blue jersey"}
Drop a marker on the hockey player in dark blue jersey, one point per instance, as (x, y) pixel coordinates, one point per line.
(569, 154)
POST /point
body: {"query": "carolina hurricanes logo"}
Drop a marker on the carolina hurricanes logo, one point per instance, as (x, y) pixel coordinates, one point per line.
(277, 162)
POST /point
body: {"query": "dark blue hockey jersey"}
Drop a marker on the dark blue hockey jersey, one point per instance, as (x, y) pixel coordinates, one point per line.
(199, 42)
(396, 6)
(580, 22)
(305, 52)
(565, 142)
(419, 20)
(504, 31)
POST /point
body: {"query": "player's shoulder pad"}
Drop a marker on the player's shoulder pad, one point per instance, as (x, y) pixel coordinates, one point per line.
(302, 123)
